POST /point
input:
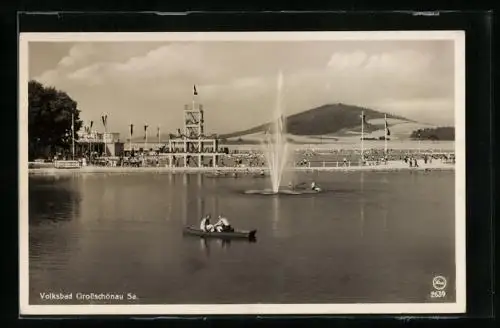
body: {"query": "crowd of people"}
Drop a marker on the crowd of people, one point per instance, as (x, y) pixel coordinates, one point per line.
(253, 159)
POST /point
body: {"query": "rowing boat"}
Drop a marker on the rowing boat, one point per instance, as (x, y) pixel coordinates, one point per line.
(241, 234)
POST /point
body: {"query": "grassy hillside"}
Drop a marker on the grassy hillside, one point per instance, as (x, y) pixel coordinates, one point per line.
(326, 119)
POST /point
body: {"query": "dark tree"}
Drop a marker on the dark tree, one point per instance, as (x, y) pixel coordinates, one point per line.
(49, 120)
(439, 133)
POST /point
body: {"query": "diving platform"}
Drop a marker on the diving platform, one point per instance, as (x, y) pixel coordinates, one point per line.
(191, 148)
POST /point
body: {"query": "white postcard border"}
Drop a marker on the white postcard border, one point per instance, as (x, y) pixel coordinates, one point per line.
(251, 309)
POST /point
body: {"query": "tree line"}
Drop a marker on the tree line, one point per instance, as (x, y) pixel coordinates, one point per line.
(50, 114)
(439, 133)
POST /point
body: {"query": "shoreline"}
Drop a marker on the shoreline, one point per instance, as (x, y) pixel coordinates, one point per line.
(390, 167)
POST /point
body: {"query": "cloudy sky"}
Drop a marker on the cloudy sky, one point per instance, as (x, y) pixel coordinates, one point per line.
(149, 82)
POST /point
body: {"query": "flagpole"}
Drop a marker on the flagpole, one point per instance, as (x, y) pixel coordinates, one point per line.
(130, 139)
(145, 138)
(73, 134)
(159, 141)
(105, 123)
(385, 135)
(362, 137)
(90, 141)
(195, 93)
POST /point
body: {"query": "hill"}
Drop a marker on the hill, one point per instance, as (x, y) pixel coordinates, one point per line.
(324, 120)
(327, 123)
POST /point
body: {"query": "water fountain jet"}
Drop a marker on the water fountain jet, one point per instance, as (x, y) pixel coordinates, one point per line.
(275, 144)
(275, 148)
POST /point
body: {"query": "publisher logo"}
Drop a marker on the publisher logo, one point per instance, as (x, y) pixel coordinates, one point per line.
(439, 282)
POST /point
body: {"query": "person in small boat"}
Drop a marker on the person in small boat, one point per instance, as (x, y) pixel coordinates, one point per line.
(205, 224)
(223, 225)
(314, 187)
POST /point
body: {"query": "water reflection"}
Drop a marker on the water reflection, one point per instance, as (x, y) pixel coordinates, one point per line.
(184, 199)
(53, 202)
(206, 245)
(200, 204)
(385, 202)
(362, 203)
(215, 205)
(384, 215)
(55, 206)
(312, 204)
(275, 213)
(196, 200)
(171, 197)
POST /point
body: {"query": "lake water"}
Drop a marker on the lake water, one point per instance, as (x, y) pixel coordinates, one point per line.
(371, 237)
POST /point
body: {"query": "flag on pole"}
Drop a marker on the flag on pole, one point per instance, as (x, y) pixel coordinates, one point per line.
(195, 92)
(387, 131)
(363, 117)
(158, 132)
(105, 120)
(131, 129)
(145, 131)
(91, 124)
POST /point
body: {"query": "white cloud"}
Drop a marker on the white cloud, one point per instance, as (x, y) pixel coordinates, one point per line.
(91, 75)
(395, 62)
(78, 54)
(50, 77)
(347, 60)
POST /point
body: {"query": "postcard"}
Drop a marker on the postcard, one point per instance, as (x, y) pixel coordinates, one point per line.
(252, 173)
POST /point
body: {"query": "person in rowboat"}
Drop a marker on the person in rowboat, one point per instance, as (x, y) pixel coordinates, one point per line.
(314, 187)
(205, 224)
(222, 225)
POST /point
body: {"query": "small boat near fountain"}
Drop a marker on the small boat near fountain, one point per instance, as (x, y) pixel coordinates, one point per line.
(237, 234)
